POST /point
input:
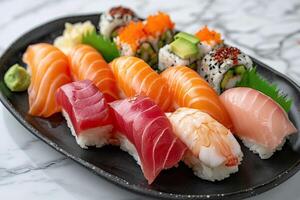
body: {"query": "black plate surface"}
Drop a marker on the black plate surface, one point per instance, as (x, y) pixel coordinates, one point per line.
(254, 176)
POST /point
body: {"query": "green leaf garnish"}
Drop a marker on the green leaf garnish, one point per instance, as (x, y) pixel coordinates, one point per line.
(107, 48)
(253, 80)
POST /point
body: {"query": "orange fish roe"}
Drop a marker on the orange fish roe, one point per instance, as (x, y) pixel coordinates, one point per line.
(132, 34)
(157, 24)
(208, 36)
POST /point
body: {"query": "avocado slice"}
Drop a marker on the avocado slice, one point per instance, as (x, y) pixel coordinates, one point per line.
(183, 48)
(191, 38)
(227, 76)
(240, 69)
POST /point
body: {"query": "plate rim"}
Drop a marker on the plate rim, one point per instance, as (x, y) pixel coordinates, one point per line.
(255, 190)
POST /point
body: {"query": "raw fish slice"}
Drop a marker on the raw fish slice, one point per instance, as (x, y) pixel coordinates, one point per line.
(87, 63)
(147, 135)
(213, 151)
(86, 112)
(49, 70)
(188, 89)
(135, 77)
(258, 120)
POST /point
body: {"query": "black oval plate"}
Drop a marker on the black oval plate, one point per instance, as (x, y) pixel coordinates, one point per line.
(254, 176)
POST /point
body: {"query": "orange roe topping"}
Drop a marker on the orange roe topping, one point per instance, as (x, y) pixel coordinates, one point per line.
(208, 36)
(157, 24)
(132, 34)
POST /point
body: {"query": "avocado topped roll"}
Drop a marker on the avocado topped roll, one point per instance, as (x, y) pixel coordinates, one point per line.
(184, 50)
(224, 67)
(114, 19)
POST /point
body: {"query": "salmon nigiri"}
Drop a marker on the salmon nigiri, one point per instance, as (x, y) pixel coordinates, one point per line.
(188, 89)
(135, 77)
(87, 63)
(258, 120)
(49, 70)
(213, 151)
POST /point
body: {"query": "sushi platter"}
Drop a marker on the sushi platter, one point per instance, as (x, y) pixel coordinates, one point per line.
(160, 112)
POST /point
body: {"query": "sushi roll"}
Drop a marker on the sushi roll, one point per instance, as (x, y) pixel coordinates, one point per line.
(86, 112)
(114, 19)
(209, 40)
(159, 29)
(135, 77)
(213, 152)
(188, 89)
(258, 121)
(132, 41)
(146, 133)
(143, 39)
(183, 51)
(224, 67)
(49, 69)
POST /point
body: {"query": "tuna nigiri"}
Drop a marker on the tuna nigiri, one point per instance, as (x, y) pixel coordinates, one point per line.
(86, 112)
(135, 77)
(87, 63)
(259, 121)
(146, 133)
(49, 70)
(188, 89)
(213, 152)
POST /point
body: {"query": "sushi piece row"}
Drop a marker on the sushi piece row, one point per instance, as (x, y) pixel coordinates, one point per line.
(135, 37)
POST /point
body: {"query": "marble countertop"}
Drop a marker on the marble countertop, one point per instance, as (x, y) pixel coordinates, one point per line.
(30, 169)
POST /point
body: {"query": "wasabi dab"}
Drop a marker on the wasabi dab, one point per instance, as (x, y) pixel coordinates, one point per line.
(17, 78)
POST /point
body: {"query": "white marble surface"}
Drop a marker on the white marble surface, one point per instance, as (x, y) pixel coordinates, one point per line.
(30, 169)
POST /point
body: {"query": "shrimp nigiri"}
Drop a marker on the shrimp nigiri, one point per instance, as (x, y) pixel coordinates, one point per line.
(87, 63)
(49, 70)
(188, 89)
(213, 151)
(135, 77)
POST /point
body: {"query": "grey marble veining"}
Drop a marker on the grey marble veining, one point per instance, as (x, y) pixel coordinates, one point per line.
(29, 169)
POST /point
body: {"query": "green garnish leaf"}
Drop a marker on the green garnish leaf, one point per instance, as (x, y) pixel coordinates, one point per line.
(253, 80)
(105, 46)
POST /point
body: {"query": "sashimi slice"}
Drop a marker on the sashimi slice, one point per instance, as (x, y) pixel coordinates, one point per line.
(146, 133)
(135, 77)
(86, 63)
(86, 112)
(190, 90)
(213, 152)
(49, 70)
(259, 121)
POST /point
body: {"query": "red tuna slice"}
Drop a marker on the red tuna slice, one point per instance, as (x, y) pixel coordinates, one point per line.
(85, 105)
(150, 132)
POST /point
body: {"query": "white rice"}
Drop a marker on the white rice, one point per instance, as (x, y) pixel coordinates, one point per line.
(127, 146)
(98, 136)
(168, 59)
(206, 172)
(263, 152)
